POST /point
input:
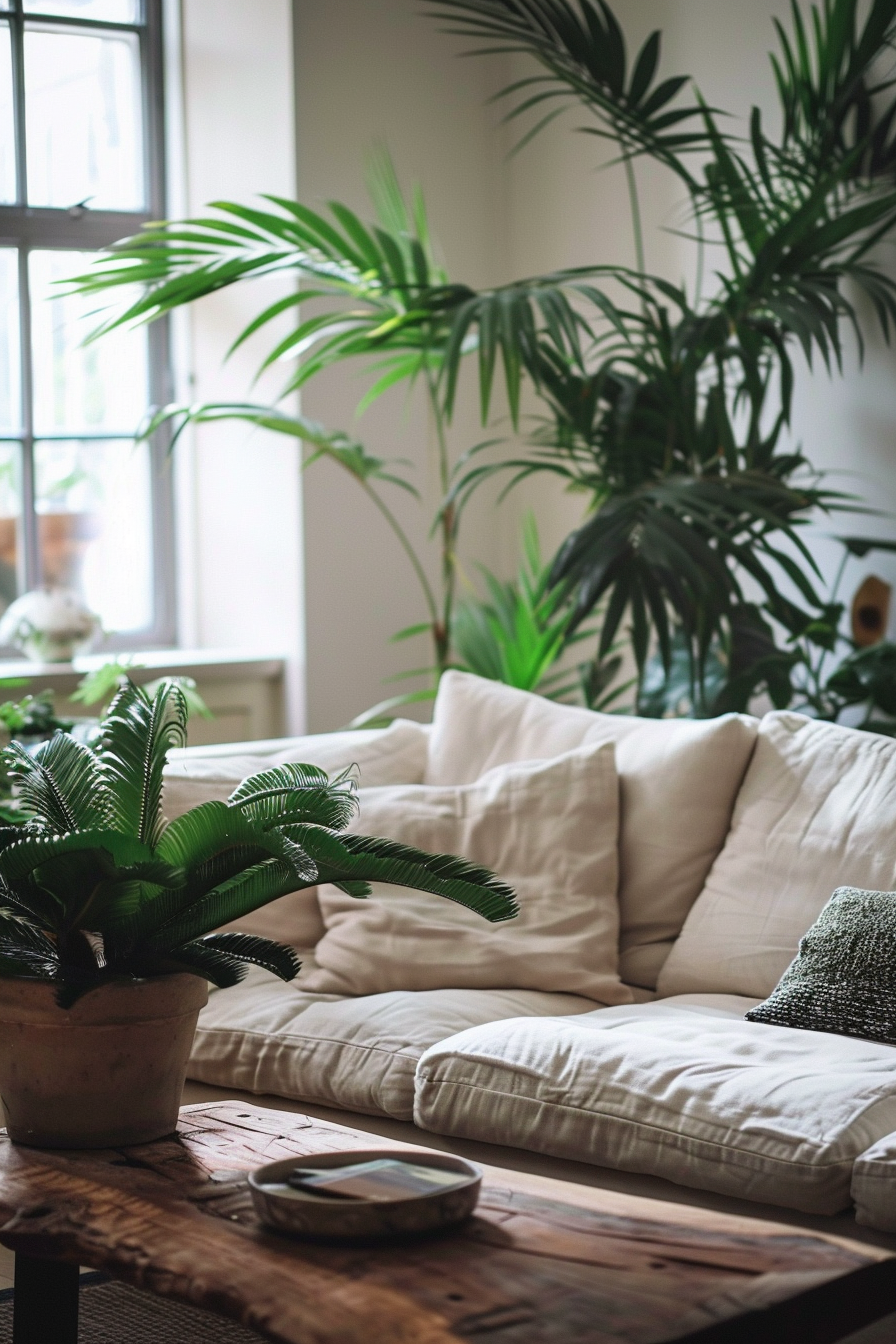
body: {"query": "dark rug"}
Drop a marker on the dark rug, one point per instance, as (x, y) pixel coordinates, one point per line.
(113, 1313)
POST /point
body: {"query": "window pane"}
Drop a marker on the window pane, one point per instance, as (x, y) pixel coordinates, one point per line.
(83, 119)
(7, 120)
(101, 388)
(10, 522)
(94, 508)
(10, 401)
(112, 11)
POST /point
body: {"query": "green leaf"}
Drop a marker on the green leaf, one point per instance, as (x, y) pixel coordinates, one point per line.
(137, 734)
(213, 829)
(61, 785)
(288, 793)
(358, 857)
(165, 929)
(274, 957)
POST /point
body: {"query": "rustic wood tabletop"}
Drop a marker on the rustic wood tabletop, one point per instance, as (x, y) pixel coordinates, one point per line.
(541, 1262)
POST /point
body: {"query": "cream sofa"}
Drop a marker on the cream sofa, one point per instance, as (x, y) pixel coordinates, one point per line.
(733, 833)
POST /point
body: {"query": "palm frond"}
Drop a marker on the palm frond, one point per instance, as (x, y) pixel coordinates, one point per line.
(368, 859)
(290, 793)
(164, 925)
(215, 828)
(274, 957)
(60, 785)
(137, 734)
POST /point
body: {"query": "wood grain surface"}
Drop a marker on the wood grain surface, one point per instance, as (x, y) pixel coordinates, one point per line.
(540, 1263)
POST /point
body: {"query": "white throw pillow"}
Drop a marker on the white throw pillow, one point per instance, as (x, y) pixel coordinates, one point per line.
(679, 779)
(202, 774)
(815, 813)
(548, 829)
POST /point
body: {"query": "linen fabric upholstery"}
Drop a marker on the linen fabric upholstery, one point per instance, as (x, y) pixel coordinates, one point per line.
(358, 1054)
(678, 780)
(548, 828)
(874, 1185)
(683, 1089)
(843, 978)
(202, 774)
(814, 813)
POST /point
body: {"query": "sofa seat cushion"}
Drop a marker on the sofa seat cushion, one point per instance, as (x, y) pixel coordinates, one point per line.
(874, 1185)
(678, 782)
(358, 1054)
(684, 1089)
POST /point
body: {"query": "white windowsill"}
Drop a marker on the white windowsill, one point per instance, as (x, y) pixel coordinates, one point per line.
(209, 664)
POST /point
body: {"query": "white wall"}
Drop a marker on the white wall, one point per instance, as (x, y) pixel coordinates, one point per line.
(366, 73)
(239, 490)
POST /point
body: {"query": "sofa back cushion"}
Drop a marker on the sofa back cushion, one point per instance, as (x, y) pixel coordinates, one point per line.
(548, 828)
(678, 781)
(202, 774)
(815, 813)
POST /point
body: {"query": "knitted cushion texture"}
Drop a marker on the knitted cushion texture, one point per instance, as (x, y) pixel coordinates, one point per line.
(843, 978)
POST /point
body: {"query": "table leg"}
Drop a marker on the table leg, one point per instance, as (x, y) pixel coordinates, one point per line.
(45, 1303)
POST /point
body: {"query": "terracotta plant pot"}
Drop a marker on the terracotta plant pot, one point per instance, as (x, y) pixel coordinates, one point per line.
(105, 1073)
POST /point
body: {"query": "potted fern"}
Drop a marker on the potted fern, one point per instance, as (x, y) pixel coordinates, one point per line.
(108, 912)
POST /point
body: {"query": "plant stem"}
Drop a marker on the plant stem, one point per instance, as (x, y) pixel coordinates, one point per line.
(448, 528)
(404, 541)
(635, 204)
(701, 252)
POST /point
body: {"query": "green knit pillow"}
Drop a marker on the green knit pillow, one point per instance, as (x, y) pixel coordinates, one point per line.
(843, 978)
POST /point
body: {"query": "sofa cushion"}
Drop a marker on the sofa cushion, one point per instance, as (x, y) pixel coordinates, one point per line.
(682, 1089)
(395, 755)
(679, 779)
(548, 828)
(874, 1185)
(358, 1054)
(815, 813)
(844, 976)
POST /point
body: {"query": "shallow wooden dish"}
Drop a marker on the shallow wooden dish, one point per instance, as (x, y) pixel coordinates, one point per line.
(303, 1214)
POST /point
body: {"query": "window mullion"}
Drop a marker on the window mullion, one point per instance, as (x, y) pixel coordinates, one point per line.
(17, 38)
(29, 558)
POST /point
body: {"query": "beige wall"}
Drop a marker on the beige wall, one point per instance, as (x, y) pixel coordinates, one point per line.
(238, 490)
(368, 73)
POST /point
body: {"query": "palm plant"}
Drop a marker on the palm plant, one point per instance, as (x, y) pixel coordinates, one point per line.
(378, 293)
(96, 885)
(668, 405)
(674, 421)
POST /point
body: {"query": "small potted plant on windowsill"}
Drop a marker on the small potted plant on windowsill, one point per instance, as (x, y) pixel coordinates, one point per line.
(107, 915)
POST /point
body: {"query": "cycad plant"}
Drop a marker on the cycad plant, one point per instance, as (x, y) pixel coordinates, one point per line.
(96, 885)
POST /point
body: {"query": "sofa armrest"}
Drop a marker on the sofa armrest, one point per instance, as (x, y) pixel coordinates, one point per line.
(874, 1185)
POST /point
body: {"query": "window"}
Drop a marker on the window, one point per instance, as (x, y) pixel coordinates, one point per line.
(81, 504)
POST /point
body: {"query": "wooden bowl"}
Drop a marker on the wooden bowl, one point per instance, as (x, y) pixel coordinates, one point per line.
(303, 1214)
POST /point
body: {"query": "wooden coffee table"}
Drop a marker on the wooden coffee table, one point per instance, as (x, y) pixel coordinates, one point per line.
(542, 1262)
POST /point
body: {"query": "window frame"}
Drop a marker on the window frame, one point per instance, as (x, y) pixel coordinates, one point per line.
(78, 228)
